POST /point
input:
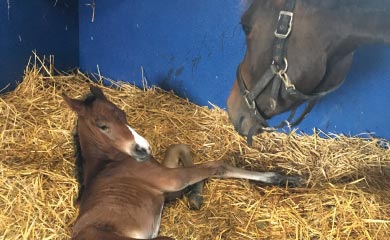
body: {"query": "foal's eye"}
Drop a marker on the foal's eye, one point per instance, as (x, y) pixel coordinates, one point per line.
(102, 126)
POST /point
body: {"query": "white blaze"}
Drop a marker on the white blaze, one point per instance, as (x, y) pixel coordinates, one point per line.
(142, 142)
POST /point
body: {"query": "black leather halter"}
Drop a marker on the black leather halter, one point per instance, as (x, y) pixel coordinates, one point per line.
(277, 74)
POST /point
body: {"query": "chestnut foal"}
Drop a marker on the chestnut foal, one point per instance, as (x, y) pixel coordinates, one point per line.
(124, 187)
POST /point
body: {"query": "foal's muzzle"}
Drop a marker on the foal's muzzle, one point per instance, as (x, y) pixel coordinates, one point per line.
(140, 153)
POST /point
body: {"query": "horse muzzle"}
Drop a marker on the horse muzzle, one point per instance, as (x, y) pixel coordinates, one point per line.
(246, 125)
(140, 153)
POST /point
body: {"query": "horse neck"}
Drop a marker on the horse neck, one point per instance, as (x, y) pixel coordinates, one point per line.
(368, 22)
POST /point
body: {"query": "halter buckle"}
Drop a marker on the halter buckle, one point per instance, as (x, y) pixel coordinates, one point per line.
(289, 27)
(250, 103)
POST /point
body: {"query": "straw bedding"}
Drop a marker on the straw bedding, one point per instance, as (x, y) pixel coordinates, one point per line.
(346, 194)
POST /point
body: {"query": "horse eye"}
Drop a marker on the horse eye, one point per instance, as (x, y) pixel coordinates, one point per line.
(102, 126)
(247, 29)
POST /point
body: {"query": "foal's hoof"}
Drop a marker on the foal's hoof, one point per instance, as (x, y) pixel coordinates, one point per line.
(195, 201)
(290, 181)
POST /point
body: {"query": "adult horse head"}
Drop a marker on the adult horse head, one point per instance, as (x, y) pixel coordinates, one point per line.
(298, 51)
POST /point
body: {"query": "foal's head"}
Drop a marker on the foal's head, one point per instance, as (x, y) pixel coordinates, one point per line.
(103, 129)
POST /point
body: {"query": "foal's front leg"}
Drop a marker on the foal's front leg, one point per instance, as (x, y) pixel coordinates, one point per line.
(180, 153)
(177, 179)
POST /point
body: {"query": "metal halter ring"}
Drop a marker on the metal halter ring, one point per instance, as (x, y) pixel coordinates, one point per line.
(283, 75)
(282, 71)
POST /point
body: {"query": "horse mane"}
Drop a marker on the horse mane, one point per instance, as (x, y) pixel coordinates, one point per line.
(361, 4)
(244, 4)
(79, 170)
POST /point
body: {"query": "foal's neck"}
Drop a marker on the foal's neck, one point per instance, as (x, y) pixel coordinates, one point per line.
(91, 158)
(95, 160)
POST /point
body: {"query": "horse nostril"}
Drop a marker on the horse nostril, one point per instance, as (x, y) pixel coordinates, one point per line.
(141, 150)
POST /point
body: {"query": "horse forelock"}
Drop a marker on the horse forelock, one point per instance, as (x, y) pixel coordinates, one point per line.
(89, 99)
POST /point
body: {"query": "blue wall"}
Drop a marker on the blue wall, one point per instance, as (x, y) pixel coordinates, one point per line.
(47, 26)
(193, 47)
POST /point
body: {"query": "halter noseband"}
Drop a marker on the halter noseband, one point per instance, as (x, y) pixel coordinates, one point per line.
(278, 73)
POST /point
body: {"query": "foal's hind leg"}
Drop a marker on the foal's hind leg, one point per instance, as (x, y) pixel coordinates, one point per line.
(180, 153)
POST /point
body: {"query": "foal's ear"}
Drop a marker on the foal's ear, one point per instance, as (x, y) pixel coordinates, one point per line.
(74, 104)
(97, 92)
